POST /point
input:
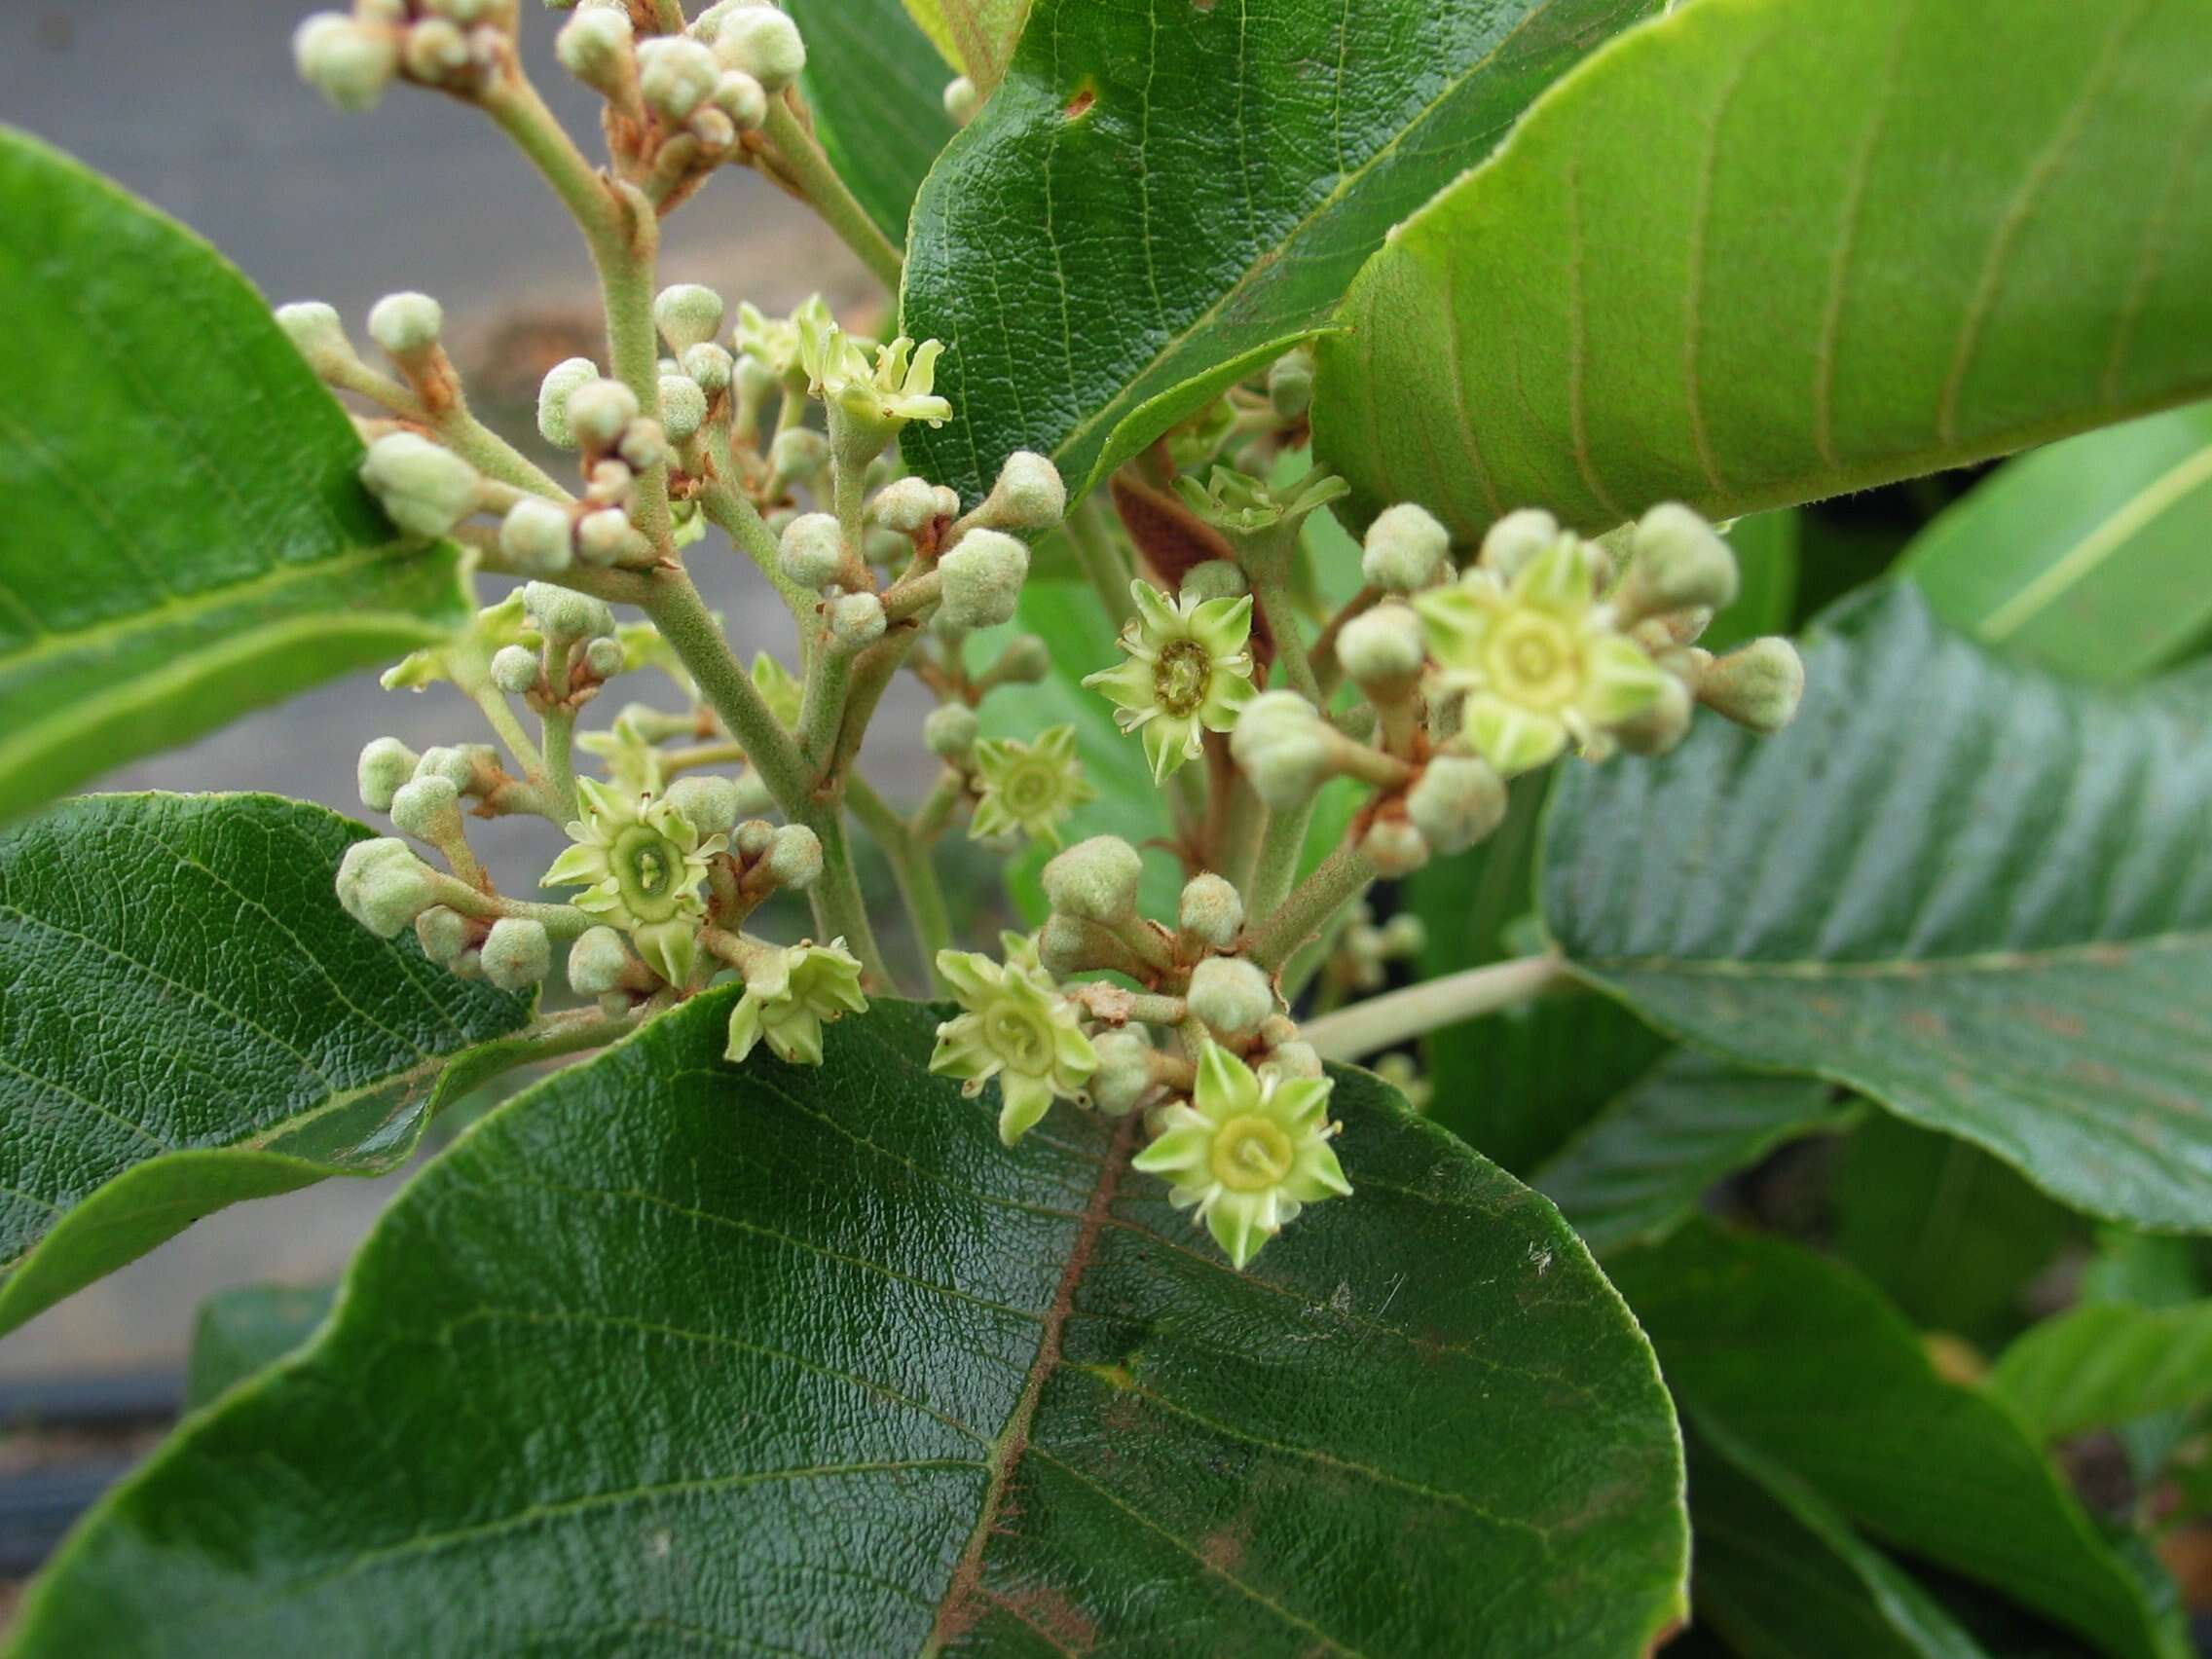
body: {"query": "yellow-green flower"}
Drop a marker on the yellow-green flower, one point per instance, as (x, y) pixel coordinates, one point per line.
(1250, 1151)
(883, 397)
(1188, 672)
(1018, 1028)
(464, 657)
(640, 864)
(790, 996)
(1540, 659)
(772, 342)
(632, 758)
(1028, 787)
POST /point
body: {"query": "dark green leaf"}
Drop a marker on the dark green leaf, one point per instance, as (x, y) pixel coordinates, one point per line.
(1803, 1363)
(1892, 894)
(246, 1330)
(1163, 192)
(185, 538)
(2106, 1364)
(877, 92)
(1636, 1170)
(189, 1019)
(676, 1354)
(1773, 250)
(2088, 556)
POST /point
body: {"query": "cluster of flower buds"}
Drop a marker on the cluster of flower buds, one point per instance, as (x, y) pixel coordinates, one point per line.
(455, 45)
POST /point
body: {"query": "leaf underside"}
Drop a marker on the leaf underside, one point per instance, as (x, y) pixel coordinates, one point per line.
(876, 93)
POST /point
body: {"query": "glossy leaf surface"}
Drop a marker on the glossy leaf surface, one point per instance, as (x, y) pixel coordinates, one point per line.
(1890, 895)
(1766, 252)
(2105, 1364)
(803, 1360)
(187, 1018)
(877, 95)
(1161, 193)
(1804, 1363)
(185, 538)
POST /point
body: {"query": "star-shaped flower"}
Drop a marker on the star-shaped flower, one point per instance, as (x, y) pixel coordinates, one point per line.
(791, 996)
(1018, 1028)
(1028, 787)
(879, 398)
(1188, 672)
(640, 864)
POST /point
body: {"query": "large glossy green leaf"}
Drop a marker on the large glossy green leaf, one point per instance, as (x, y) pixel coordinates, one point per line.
(878, 93)
(2088, 556)
(1804, 1364)
(2106, 1364)
(1161, 188)
(249, 1329)
(1956, 885)
(187, 1018)
(184, 537)
(1770, 250)
(671, 1354)
(1636, 1170)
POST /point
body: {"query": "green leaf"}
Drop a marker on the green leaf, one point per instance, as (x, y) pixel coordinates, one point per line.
(1161, 191)
(1803, 1363)
(1781, 1575)
(185, 538)
(1770, 250)
(2106, 1364)
(1767, 553)
(802, 1359)
(1891, 895)
(1636, 1170)
(878, 93)
(189, 1019)
(246, 1330)
(975, 36)
(2085, 557)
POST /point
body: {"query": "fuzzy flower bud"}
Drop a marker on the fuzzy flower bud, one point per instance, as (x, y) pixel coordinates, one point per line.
(857, 619)
(950, 731)
(1455, 802)
(423, 488)
(1096, 880)
(538, 537)
(605, 658)
(598, 411)
(709, 804)
(607, 536)
(316, 334)
(515, 668)
(517, 953)
(961, 100)
(794, 857)
(905, 505)
(675, 75)
(453, 765)
(595, 46)
(386, 764)
(1757, 686)
(1283, 748)
(812, 550)
(1406, 550)
(1028, 495)
(553, 393)
(1515, 540)
(983, 579)
(1383, 651)
(1215, 578)
(443, 933)
(406, 325)
(1211, 911)
(798, 454)
(383, 886)
(1295, 1060)
(429, 808)
(598, 962)
(1124, 1072)
(764, 43)
(689, 314)
(566, 614)
(709, 366)
(1663, 725)
(348, 63)
(1290, 384)
(683, 405)
(1395, 847)
(1025, 661)
(1681, 562)
(742, 98)
(1231, 994)
(645, 444)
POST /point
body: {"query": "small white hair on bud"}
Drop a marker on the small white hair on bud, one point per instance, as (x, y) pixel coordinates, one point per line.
(645, 444)
(537, 535)
(406, 324)
(565, 614)
(857, 619)
(1456, 801)
(1283, 747)
(1096, 880)
(449, 763)
(950, 730)
(1405, 550)
(1384, 648)
(423, 488)
(1211, 911)
(1231, 994)
(603, 657)
(443, 933)
(383, 886)
(386, 764)
(1029, 494)
(983, 579)
(598, 411)
(517, 953)
(553, 393)
(812, 550)
(1681, 562)
(593, 45)
(742, 98)
(1394, 847)
(709, 804)
(515, 668)
(315, 332)
(598, 962)
(348, 62)
(675, 75)
(1290, 384)
(764, 43)
(607, 536)
(905, 505)
(1515, 539)
(794, 857)
(1663, 725)
(709, 365)
(683, 405)
(753, 838)
(1757, 685)
(427, 807)
(688, 315)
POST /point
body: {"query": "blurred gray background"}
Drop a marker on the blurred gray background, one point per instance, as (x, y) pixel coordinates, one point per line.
(194, 105)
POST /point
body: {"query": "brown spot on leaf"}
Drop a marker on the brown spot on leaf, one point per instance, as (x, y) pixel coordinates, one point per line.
(2057, 1021)
(1050, 1609)
(1223, 1549)
(1922, 1023)
(1079, 106)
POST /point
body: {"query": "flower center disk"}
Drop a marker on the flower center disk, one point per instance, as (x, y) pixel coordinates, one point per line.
(1251, 1153)
(650, 866)
(1181, 675)
(1020, 1038)
(1532, 662)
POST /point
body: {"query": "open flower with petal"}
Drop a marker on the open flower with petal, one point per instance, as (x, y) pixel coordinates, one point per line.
(1190, 671)
(1016, 1027)
(638, 860)
(633, 759)
(883, 396)
(1249, 1151)
(465, 656)
(1028, 788)
(1540, 659)
(772, 342)
(790, 995)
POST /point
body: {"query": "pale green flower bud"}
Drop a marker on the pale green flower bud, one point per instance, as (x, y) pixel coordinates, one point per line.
(595, 46)
(434, 51)
(794, 857)
(645, 444)
(884, 547)
(1395, 847)
(406, 325)
(742, 98)
(348, 63)
(429, 809)
(1290, 384)
(1406, 550)
(1025, 661)
(553, 393)
(857, 619)
(384, 765)
(383, 886)
(1295, 1060)
(453, 765)
(599, 411)
(689, 314)
(1757, 686)
(1283, 748)
(752, 796)
(961, 100)
(754, 837)
(905, 505)
(607, 536)
(516, 953)
(565, 614)
(515, 668)
(1680, 563)
(1515, 540)
(675, 75)
(797, 454)
(1124, 1072)
(1215, 578)
(1383, 651)
(683, 405)
(605, 658)
(1068, 944)
(1661, 727)
(983, 579)
(709, 804)
(1455, 802)
(443, 933)
(710, 367)
(537, 535)
(423, 488)
(1231, 994)
(950, 731)
(1404, 935)
(316, 334)
(598, 962)
(1096, 880)
(1028, 495)
(1211, 911)
(764, 43)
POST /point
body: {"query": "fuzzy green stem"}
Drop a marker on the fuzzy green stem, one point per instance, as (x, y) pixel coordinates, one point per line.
(1341, 877)
(1397, 1017)
(509, 731)
(1272, 600)
(684, 621)
(741, 521)
(1281, 845)
(1102, 561)
(561, 921)
(818, 181)
(914, 869)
